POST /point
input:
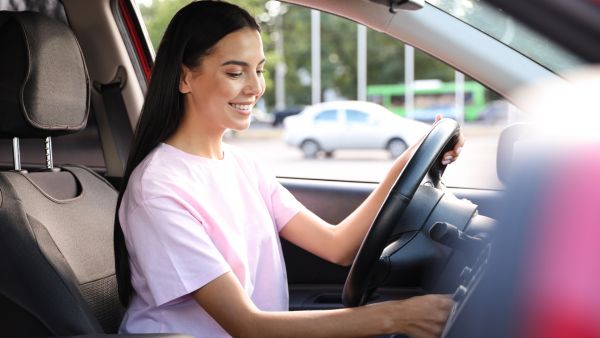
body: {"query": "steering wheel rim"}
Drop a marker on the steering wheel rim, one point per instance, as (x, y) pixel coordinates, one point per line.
(426, 159)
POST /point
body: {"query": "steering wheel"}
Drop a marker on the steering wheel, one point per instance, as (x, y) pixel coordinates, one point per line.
(426, 160)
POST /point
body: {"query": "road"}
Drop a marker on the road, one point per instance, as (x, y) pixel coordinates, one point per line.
(476, 167)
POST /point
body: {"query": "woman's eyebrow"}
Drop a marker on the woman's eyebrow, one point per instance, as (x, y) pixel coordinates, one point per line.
(240, 63)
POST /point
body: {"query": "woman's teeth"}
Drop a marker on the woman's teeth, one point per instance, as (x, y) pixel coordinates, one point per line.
(245, 107)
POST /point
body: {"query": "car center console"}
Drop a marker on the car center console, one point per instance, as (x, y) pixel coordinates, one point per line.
(470, 276)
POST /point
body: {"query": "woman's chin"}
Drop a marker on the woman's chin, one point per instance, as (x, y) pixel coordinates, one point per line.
(239, 127)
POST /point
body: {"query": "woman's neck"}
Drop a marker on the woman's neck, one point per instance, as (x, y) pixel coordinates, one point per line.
(204, 149)
(192, 138)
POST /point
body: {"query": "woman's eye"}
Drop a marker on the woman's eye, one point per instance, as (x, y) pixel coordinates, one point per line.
(260, 71)
(234, 75)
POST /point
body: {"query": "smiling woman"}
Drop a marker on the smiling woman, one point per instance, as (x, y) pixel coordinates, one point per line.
(205, 230)
(220, 84)
(198, 222)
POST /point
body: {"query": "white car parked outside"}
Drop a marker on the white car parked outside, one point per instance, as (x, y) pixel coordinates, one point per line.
(330, 126)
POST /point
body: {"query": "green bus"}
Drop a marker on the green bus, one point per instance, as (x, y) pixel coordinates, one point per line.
(431, 97)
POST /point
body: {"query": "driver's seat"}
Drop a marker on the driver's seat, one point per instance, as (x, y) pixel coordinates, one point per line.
(56, 225)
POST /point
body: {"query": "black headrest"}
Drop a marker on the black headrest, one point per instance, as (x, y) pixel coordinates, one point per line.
(44, 84)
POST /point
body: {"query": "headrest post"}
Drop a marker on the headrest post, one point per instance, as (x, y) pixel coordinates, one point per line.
(16, 154)
(49, 159)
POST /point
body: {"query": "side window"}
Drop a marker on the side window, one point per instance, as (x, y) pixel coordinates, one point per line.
(437, 89)
(355, 116)
(326, 116)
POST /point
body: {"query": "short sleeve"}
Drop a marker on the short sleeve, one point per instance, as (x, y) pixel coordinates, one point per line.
(281, 203)
(284, 205)
(174, 252)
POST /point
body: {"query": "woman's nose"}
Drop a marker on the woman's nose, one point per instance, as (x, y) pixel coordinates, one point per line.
(255, 85)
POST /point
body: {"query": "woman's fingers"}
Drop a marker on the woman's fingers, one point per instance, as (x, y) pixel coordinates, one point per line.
(452, 155)
(447, 159)
(428, 315)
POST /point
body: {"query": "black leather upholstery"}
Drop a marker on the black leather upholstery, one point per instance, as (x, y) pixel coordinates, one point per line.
(56, 246)
(44, 85)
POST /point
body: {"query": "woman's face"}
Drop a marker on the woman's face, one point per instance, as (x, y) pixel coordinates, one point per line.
(224, 88)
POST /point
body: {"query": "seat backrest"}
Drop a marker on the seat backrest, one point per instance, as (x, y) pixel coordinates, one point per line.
(56, 226)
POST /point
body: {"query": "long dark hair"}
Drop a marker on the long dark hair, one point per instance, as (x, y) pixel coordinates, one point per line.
(191, 34)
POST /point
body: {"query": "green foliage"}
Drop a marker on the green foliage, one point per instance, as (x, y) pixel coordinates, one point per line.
(158, 15)
(296, 34)
(338, 58)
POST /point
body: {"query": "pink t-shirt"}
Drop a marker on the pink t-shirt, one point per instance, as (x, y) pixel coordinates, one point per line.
(187, 220)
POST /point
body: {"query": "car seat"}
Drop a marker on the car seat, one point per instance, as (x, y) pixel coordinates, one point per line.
(56, 225)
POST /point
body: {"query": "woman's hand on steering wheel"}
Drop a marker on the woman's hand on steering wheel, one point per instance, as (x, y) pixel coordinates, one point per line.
(451, 155)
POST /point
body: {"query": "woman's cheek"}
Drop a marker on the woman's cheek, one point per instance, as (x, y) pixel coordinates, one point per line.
(264, 88)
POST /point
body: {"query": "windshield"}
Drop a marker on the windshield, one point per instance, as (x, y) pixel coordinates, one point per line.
(507, 30)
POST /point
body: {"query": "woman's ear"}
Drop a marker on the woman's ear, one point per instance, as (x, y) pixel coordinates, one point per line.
(184, 80)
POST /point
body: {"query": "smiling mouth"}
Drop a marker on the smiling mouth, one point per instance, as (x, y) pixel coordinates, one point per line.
(242, 108)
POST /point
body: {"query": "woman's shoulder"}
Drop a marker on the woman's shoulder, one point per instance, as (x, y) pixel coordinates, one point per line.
(153, 175)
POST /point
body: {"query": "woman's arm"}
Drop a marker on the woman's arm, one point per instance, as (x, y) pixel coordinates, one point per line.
(225, 301)
(339, 244)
